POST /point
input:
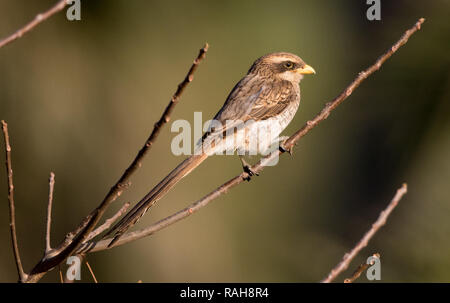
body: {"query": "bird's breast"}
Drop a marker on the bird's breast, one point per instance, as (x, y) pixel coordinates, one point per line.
(263, 136)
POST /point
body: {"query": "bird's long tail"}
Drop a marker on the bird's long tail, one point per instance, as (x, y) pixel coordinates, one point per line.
(133, 216)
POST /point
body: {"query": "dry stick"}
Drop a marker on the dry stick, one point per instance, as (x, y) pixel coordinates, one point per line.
(61, 279)
(109, 222)
(12, 211)
(91, 271)
(51, 186)
(361, 268)
(75, 238)
(348, 257)
(288, 145)
(36, 21)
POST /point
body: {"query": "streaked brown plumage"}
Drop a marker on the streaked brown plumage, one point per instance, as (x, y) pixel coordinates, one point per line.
(266, 98)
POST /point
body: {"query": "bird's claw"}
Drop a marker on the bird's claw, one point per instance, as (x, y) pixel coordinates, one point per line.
(289, 150)
(282, 147)
(250, 173)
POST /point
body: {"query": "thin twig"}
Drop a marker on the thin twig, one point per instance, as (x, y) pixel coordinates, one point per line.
(51, 186)
(75, 238)
(132, 236)
(61, 279)
(123, 183)
(91, 271)
(109, 222)
(33, 23)
(288, 145)
(12, 211)
(361, 268)
(348, 257)
(349, 90)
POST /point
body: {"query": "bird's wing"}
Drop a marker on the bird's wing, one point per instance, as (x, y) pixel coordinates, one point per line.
(242, 97)
(253, 98)
(274, 102)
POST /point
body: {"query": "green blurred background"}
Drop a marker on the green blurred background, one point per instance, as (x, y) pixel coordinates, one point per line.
(81, 98)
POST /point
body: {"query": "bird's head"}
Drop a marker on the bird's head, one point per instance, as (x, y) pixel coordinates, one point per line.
(284, 66)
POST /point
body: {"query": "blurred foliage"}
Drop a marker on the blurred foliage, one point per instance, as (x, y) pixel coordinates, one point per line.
(81, 97)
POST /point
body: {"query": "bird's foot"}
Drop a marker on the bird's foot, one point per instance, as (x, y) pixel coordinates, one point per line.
(282, 147)
(249, 171)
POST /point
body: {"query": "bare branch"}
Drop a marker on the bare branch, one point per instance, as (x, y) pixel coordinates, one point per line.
(91, 271)
(51, 186)
(349, 90)
(287, 146)
(348, 257)
(36, 21)
(108, 222)
(122, 184)
(361, 268)
(12, 211)
(132, 236)
(75, 238)
(61, 279)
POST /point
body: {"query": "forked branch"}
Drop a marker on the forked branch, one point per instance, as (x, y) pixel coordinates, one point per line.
(85, 231)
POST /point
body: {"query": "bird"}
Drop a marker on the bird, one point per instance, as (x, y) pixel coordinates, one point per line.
(256, 111)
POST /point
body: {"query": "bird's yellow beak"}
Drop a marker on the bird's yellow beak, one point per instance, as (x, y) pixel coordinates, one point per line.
(305, 70)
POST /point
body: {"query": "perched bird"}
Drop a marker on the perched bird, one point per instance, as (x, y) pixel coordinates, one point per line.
(256, 111)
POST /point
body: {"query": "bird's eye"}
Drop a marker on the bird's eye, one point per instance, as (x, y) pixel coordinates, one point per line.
(288, 64)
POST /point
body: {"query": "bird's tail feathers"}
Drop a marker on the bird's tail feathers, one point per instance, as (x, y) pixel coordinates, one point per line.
(133, 216)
